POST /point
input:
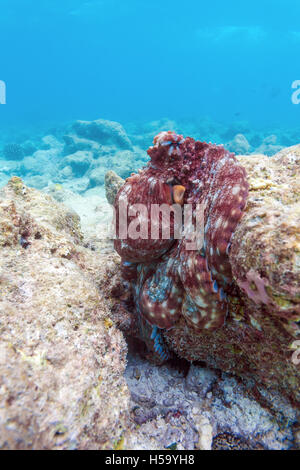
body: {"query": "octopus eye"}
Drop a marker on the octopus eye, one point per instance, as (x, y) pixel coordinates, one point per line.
(178, 194)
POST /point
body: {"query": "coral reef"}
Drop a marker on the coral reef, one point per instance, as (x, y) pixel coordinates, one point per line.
(61, 358)
(13, 152)
(77, 156)
(262, 323)
(239, 145)
(104, 132)
(269, 145)
(92, 149)
(79, 162)
(194, 409)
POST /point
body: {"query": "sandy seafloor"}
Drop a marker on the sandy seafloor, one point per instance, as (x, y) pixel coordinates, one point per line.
(69, 162)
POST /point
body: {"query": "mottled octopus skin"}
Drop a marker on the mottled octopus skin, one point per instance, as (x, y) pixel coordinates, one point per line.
(167, 279)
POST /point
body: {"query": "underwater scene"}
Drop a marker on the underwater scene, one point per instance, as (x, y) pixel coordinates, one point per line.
(149, 227)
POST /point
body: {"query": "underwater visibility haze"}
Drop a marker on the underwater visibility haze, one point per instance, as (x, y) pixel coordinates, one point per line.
(143, 60)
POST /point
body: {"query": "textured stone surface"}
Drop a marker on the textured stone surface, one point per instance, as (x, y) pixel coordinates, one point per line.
(61, 359)
(267, 241)
(113, 182)
(103, 131)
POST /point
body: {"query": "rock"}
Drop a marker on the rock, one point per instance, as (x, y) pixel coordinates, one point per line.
(29, 148)
(66, 174)
(113, 183)
(31, 166)
(239, 145)
(239, 127)
(78, 159)
(104, 132)
(205, 431)
(257, 341)
(38, 181)
(61, 358)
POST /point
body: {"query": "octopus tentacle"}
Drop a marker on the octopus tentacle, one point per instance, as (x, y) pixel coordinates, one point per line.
(205, 304)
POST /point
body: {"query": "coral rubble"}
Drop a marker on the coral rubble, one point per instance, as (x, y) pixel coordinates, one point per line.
(257, 339)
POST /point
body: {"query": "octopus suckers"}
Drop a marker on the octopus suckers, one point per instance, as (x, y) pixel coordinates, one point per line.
(236, 190)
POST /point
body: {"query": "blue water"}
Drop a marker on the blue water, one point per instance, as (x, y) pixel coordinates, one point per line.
(211, 70)
(141, 60)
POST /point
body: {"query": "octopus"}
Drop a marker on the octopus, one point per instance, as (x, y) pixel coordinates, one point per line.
(180, 268)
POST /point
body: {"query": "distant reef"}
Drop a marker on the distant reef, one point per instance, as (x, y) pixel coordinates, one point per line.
(259, 337)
